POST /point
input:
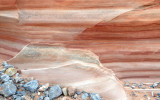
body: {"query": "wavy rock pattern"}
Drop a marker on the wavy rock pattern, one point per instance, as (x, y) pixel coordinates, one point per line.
(69, 67)
(123, 33)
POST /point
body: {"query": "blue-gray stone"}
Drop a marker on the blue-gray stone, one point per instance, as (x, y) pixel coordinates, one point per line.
(21, 85)
(31, 86)
(4, 63)
(95, 96)
(84, 96)
(8, 66)
(46, 93)
(46, 98)
(18, 98)
(41, 97)
(3, 70)
(8, 89)
(78, 92)
(14, 96)
(158, 94)
(23, 98)
(55, 91)
(5, 78)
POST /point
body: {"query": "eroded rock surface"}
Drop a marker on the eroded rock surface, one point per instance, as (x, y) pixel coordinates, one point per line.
(70, 68)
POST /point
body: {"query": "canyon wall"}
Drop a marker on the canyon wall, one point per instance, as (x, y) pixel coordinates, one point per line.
(125, 34)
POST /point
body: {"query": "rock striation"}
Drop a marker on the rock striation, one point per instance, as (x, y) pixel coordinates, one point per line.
(80, 69)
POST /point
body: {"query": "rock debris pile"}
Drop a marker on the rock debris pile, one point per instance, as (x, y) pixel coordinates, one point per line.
(14, 87)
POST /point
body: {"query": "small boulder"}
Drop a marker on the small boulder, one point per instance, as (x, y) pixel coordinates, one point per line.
(64, 90)
(8, 89)
(95, 96)
(5, 78)
(55, 91)
(31, 86)
(11, 71)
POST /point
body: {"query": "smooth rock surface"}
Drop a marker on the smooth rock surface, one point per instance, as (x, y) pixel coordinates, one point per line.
(69, 68)
(121, 32)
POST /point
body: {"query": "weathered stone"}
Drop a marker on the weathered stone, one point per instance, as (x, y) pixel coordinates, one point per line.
(55, 91)
(5, 78)
(11, 71)
(64, 90)
(8, 89)
(31, 86)
(43, 87)
(84, 96)
(71, 91)
(95, 96)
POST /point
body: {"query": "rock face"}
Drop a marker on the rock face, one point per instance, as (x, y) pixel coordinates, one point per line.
(69, 68)
(123, 33)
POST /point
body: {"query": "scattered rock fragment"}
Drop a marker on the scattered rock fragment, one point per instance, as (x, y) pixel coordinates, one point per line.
(43, 87)
(46, 98)
(55, 91)
(64, 90)
(84, 96)
(11, 71)
(5, 78)
(31, 86)
(78, 92)
(95, 96)
(71, 91)
(75, 96)
(14, 87)
(8, 89)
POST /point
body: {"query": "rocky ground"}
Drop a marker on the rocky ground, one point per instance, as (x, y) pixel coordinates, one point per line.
(143, 91)
(15, 87)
